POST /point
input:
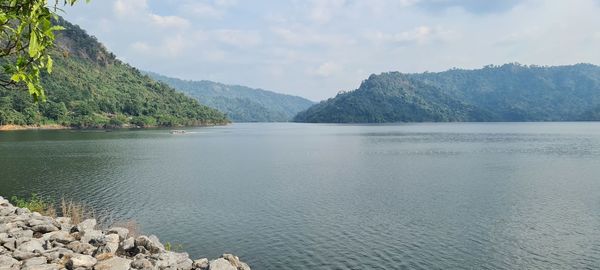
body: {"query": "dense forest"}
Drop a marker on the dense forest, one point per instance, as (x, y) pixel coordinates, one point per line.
(511, 92)
(90, 88)
(240, 103)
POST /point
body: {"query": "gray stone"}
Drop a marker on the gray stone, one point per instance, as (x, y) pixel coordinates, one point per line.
(112, 243)
(59, 236)
(94, 237)
(83, 248)
(116, 263)
(31, 246)
(42, 267)
(7, 260)
(44, 228)
(88, 224)
(80, 260)
(221, 264)
(152, 244)
(23, 255)
(128, 244)
(142, 263)
(35, 261)
(121, 232)
(201, 264)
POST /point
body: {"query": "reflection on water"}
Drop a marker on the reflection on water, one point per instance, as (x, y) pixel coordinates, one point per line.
(299, 196)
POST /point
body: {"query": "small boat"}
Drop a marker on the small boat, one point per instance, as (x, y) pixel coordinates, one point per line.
(177, 131)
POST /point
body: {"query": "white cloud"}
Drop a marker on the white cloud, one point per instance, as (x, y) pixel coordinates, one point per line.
(238, 38)
(327, 69)
(315, 48)
(324, 10)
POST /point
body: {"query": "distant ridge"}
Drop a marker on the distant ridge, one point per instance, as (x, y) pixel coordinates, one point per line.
(511, 92)
(240, 103)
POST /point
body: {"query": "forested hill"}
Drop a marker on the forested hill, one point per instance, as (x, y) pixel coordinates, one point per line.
(89, 87)
(240, 103)
(510, 92)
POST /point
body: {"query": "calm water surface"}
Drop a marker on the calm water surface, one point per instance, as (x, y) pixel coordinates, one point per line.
(300, 196)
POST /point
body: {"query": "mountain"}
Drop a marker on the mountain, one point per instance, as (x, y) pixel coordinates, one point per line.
(240, 103)
(510, 92)
(89, 87)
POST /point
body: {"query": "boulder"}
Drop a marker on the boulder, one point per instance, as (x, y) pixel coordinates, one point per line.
(115, 263)
(35, 261)
(150, 243)
(88, 224)
(221, 264)
(123, 233)
(80, 260)
(201, 264)
(32, 245)
(59, 236)
(44, 228)
(141, 263)
(8, 261)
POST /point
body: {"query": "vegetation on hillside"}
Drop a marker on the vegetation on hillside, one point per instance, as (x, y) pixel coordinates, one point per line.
(90, 88)
(510, 92)
(26, 36)
(240, 103)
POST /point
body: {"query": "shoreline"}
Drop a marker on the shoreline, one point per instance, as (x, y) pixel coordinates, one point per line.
(34, 241)
(11, 127)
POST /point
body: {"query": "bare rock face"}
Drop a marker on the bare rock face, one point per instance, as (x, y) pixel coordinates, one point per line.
(30, 241)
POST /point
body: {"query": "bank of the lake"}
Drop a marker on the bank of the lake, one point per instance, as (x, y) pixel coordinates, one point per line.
(32, 241)
(319, 196)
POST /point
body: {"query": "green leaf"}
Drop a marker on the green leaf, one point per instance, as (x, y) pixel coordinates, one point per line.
(18, 77)
(34, 46)
(49, 64)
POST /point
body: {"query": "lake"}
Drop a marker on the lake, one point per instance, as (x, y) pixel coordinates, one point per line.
(304, 196)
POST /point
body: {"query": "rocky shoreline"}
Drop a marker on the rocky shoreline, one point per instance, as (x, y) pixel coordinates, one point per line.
(35, 242)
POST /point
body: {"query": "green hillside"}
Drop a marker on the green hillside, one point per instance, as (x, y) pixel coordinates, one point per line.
(511, 92)
(240, 103)
(89, 87)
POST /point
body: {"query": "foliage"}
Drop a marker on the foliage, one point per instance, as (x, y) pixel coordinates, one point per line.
(35, 204)
(240, 103)
(26, 36)
(90, 88)
(511, 92)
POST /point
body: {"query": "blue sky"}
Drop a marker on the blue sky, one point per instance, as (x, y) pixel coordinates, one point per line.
(316, 48)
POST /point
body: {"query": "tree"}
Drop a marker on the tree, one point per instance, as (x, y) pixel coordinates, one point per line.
(26, 34)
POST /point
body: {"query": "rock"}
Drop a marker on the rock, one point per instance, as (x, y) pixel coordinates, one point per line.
(88, 224)
(221, 264)
(93, 237)
(141, 263)
(121, 232)
(201, 264)
(151, 243)
(35, 261)
(82, 248)
(44, 228)
(112, 243)
(59, 236)
(174, 259)
(23, 255)
(128, 244)
(31, 246)
(7, 261)
(20, 233)
(79, 260)
(116, 263)
(42, 267)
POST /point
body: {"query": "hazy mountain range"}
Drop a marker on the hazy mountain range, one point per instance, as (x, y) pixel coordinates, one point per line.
(240, 103)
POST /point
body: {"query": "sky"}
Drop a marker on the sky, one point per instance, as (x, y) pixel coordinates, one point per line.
(316, 48)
